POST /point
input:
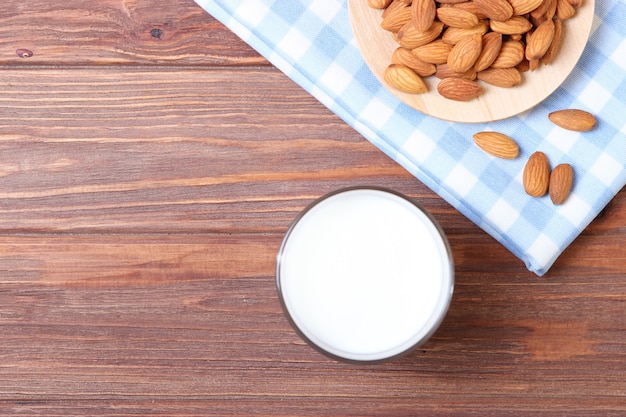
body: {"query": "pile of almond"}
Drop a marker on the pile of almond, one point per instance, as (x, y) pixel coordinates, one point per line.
(462, 42)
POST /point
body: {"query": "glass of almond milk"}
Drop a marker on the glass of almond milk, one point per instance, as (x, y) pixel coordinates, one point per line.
(365, 274)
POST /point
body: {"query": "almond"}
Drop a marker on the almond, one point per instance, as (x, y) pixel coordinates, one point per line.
(500, 77)
(545, 10)
(464, 54)
(560, 185)
(536, 176)
(404, 56)
(540, 40)
(454, 35)
(457, 18)
(564, 9)
(497, 144)
(533, 64)
(395, 4)
(551, 10)
(459, 89)
(435, 52)
(521, 7)
(396, 19)
(495, 9)
(514, 26)
(555, 46)
(536, 21)
(523, 66)
(424, 13)
(511, 54)
(378, 4)
(411, 37)
(491, 44)
(404, 79)
(444, 71)
(573, 119)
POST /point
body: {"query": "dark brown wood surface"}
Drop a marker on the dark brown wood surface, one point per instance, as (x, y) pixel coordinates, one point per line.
(150, 163)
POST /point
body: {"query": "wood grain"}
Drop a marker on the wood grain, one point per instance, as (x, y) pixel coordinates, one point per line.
(145, 186)
(132, 32)
(176, 150)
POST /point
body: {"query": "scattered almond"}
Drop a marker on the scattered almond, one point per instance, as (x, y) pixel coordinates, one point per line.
(536, 176)
(573, 119)
(560, 185)
(497, 144)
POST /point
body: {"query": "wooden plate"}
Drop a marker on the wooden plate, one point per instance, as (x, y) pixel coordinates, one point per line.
(495, 103)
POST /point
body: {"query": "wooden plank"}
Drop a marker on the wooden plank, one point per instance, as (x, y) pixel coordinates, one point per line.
(145, 186)
(117, 32)
(106, 324)
(132, 150)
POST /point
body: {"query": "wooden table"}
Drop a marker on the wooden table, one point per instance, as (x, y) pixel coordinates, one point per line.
(150, 163)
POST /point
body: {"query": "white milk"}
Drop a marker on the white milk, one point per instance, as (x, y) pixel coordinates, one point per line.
(365, 275)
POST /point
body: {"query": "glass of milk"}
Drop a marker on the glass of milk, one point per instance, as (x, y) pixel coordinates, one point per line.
(365, 274)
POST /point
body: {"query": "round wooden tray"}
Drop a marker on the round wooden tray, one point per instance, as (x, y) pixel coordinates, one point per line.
(496, 103)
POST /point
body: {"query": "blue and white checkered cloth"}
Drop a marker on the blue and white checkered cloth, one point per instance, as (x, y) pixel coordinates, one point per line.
(311, 41)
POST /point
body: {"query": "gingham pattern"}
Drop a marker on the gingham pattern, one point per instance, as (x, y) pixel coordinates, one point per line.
(311, 41)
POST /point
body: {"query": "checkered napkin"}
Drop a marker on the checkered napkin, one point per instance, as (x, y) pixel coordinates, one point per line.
(311, 41)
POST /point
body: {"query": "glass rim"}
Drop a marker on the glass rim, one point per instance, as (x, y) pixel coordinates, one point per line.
(438, 313)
